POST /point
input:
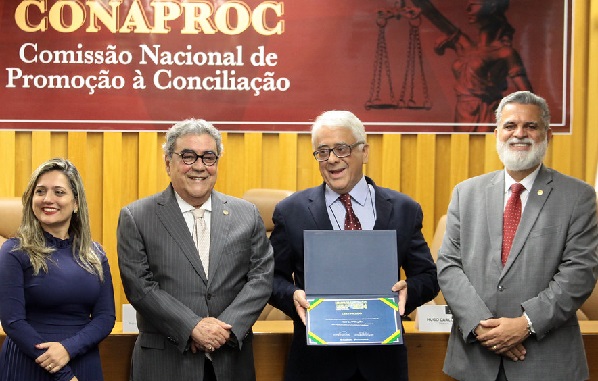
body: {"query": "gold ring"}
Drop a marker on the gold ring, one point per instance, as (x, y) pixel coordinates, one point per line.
(494, 347)
(50, 366)
(210, 348)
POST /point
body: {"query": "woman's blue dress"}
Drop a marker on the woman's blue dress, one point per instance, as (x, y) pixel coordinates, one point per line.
(67, 304)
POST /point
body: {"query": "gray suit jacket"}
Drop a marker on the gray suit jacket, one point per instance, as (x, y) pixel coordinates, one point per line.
(164, 280)
(550, 272)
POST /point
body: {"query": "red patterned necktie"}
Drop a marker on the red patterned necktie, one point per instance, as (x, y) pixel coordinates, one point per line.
(510, 220)
(351, 220)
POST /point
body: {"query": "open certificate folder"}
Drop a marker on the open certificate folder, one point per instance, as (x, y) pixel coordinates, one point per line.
(348, 280)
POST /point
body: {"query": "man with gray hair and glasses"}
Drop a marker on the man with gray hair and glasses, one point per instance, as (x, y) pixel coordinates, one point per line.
(197, 266)
(518, 259)
(347, 200)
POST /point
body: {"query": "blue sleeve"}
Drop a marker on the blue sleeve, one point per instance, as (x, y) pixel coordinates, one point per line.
(13, 265)
(102, 316)
(418, 264)
(285, 271)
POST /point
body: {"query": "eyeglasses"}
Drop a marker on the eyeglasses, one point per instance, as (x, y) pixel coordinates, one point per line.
(340, 150)
(189, 157)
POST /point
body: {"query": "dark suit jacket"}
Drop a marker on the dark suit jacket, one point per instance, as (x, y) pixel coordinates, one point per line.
(306, 210)
(164, 280)
(550, 272)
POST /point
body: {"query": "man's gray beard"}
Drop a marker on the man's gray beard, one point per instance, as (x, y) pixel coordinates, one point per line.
(521, 160)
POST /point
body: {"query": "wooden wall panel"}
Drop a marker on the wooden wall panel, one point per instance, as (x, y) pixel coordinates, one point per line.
(146, 165)
(473, 155)
(562, 157)
(308, 174)
(59, 144)
(271, 159)
(447, 172)
(490, 157)
(252, 162)
(41, 148)
(113, 179)
(375, 166)
(459, 151)
(586, 89)
(232, 166)
(284, 175)
(22, 161)
(590, 116)
(425, 179)
(77, 151)
(390, 152)
(222, 181)
(162, 178)
(8, 158)
(408, 166)
(94, 188)
(135, 174)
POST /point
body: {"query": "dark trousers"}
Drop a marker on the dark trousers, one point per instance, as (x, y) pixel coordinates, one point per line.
(501, 373)
(208, 371)
(357, 377)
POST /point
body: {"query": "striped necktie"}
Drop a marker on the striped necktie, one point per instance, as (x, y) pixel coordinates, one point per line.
(201, 237)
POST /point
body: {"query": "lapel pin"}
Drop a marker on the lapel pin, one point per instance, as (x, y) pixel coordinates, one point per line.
(540, 192)
(225, 212)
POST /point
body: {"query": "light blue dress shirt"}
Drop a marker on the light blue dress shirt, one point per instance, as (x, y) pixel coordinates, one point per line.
(363, 201)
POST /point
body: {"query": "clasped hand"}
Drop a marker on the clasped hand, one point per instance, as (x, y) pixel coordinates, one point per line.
(54, 358)
(504, 336)
(209, 334)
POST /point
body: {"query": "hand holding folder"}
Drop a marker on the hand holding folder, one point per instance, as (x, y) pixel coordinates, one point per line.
(350, 284)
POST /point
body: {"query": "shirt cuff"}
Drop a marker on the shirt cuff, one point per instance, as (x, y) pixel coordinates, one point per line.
(530, 327)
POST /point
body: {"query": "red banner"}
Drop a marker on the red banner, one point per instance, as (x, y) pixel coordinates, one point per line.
(401, 66)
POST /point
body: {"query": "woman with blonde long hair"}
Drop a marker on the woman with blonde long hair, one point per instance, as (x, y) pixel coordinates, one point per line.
(56, 294)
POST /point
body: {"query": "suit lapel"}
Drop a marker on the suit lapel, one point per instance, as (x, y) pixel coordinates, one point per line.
(494, 204)
(318, 209)
(535, 202)
(170, 216)
(219, 228)
(383, 209)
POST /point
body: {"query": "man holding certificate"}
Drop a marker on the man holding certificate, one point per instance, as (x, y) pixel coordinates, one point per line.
(347, 200)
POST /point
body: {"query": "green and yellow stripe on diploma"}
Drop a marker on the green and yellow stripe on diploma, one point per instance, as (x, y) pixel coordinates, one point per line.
(314, 303)
(388, 301)
(397, 335)
(316, 338)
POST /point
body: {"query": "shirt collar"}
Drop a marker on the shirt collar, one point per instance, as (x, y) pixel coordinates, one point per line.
(186, 207)
(527, 182)
(359, 193)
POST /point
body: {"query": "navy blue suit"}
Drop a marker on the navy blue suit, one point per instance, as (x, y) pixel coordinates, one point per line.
(306, 210)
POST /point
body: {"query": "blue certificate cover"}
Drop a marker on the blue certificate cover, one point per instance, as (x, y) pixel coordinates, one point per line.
(348, 280)
(350, 262)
